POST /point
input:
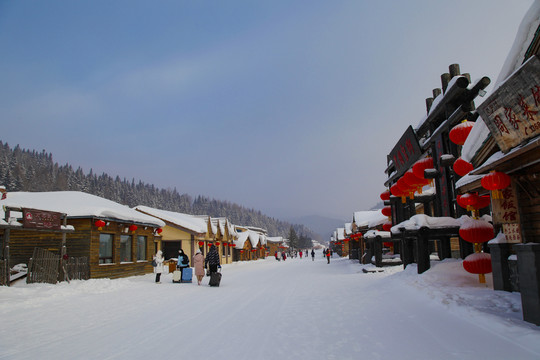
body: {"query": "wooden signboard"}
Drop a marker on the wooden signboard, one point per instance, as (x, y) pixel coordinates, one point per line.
(40, 219)
(506, 212)
(512, 112)
(406, 152)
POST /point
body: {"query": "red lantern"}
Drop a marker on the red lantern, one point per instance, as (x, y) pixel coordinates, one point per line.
(159, 231)
(217, 243)
(385, 195)
(483, 201)
(100, 224)
(387, 244)
(233, 245)
(396, 191)
(387, 211)
(387, 226)
(462, 167)
(421, 165)
(496, 181)
(469, 200)
(478, 263)
(460, 132)
(476, 231)
(209, 244)
(201, 243)
(133, 227)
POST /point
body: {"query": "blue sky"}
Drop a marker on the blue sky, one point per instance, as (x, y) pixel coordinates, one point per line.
(289, 107)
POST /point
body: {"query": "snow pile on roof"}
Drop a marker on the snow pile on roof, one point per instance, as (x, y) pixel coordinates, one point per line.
(370, 218)
(524, 37)
(275, 239)
(421, 220)
(190, 222)
(374, 233)
(253, 237)
(78, 204)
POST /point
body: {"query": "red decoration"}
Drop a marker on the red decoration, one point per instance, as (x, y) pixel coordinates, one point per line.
(483, 201)
(387, 244)
(496, 181)
(387, 211)
(460, 132)
(209, 244)
(100, 224)
(476, 231)
(478, 263)
(385, 195)
(201, 243)
(387, 226)
(233, 245)
(462, 167)
(159, 231)
(396, 191)
(217, 243)
(133, 227)
(421, 165)
(469, 200)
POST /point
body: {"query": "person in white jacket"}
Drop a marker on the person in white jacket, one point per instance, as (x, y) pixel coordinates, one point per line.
(158, 269)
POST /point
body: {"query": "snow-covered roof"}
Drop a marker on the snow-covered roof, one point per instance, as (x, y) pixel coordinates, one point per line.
(78, 204)
(369, 218)
(190, 222)
(253, 236)
(340, 234)
(348, 228)
(525, 35)
(421, 220)
(275, 239)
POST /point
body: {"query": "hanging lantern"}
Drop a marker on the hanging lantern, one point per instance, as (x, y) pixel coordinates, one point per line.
(387, 226)
(483, 201)
(421, 165)
(462, 167)
(233, 245)
(469, 200)
(396, 191)
(385, 195)
(495, 181)
(159, 231)
(217, 243)
(406, 188)
(478, 263)
(459, 133)
(201, 243)
(133, 227)
(476, 231)
(387, 244)
(387, 211)
(100, 224)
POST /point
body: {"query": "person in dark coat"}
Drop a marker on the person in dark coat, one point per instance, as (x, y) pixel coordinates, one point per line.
(312, 254)
(212, 260)
(328, 254)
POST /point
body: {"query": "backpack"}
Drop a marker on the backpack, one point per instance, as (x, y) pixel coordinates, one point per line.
(154, 263)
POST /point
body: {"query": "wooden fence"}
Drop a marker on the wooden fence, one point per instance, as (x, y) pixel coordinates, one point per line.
(78, 268)
(43, 267)
(3, 273)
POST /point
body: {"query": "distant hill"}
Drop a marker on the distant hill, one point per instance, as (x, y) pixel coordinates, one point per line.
(29, 170)
(323, 226)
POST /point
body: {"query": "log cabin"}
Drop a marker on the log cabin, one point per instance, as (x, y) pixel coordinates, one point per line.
(116, 241)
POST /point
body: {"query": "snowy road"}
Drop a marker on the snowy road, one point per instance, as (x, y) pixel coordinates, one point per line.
(263, 310)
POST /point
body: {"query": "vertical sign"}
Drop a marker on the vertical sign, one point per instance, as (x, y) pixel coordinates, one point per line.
(406, 152)
(505, 212)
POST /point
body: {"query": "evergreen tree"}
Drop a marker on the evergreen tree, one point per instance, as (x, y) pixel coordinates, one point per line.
(293, 239)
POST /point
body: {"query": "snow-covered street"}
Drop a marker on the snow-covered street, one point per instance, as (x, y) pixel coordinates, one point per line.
(268, 309)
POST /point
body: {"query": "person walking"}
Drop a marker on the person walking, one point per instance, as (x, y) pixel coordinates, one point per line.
(312, 254)
(183, 262)
(198, 263)
(328, 254)
(158, 267)
(212, 260)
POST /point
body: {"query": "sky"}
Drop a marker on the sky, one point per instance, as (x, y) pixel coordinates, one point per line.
(289, 107)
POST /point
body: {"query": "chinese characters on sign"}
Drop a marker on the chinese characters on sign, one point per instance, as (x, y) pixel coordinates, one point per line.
(39, 219)
(406, 151)
(505, 212)
(512, 112)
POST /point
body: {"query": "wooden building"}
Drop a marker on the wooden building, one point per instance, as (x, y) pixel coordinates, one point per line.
(506, 143)
(116, 241)
(273, 244)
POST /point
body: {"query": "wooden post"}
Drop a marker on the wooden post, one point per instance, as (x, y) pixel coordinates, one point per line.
(445, 79)
(422, 250)
(63, 253)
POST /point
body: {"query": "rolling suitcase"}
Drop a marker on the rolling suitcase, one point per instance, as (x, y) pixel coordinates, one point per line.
(215, 279)
(187, 275)
(176, 276)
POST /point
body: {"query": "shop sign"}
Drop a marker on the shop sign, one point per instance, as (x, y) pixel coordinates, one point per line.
(406, 152)
(512, 112)
(40, 219)
(506, 212)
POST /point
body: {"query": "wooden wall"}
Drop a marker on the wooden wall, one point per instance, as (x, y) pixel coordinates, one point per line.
(85, 242)
(529, 203)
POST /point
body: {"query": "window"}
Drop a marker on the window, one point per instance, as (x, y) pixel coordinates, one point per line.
(141, 247)
(224, 249)
(125, 248)
(106, 248)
